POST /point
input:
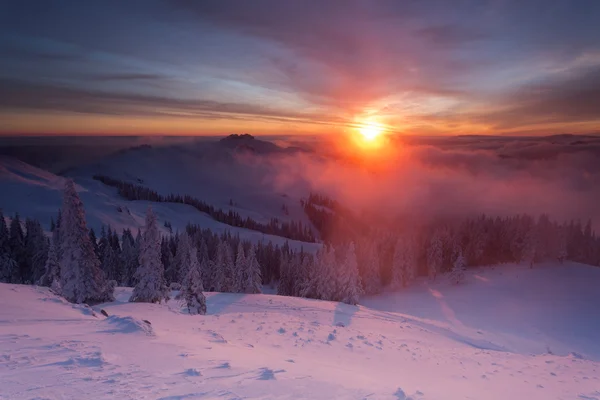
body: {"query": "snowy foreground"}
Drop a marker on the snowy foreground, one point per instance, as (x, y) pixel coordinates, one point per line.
(507, 333)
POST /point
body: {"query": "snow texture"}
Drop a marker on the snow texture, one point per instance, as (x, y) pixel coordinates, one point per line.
(506, 333)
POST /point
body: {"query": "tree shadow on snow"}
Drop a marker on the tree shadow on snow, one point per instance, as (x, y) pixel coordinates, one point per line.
(343, 314)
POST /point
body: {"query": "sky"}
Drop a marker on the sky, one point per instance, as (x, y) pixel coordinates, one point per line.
(212, 67)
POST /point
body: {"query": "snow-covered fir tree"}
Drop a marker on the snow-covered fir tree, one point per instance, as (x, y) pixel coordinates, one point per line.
(561, 245)
(181, 261)
(285, 284)
(399, 265)
(241, 270)
(16, 243)
(435, 254)
(327, 282)
(51, 276)
(228, 267)
(82, 280)
(151, 286)
(36, 250)
(218, 267)
(349, 286)
(371, 270)
(8, 266)
(129, 259)
(253, 279)
(528, 255)
(205, 265)
(458, 267)
(191, 288)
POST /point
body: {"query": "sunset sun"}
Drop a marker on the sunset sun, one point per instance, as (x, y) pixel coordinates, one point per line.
(370, 131)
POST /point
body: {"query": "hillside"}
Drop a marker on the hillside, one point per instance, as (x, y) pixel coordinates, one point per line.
(431, 341)
(37, 193)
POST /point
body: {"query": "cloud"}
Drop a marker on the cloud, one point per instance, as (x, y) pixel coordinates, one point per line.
(32, 96)
(557, 175)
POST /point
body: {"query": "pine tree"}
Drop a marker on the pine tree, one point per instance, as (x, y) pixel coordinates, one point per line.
(205, 265)
(82, 280)
(192, 288)
(218, 268)
(228, 267)
(326, 287)
(285, 279)
(459, 267)
(8, 266)
(51, 276)
(253, 283)
(435, 254)
(399, 265)
(151, 286)
(129, 259)
(530, 247)
(241, 270)
(349, 288)
(372, 273)
(36, 250)
(16, 243)
(94, 241)
(561, 248)
(181, 261)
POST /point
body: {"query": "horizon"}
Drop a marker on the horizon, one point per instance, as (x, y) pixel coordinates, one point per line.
(182, 68)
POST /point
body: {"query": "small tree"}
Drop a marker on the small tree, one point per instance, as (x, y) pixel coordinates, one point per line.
(151, 286)
(459, 267)
(192, 288)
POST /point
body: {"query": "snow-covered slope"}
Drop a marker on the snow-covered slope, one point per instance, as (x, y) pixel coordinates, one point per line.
(433, 341)
(238, 170)
(36, 193)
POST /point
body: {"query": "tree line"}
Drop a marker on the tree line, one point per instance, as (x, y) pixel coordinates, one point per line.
(86, 268)
(290, 230)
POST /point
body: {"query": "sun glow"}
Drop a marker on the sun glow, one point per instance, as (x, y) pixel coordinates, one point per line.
(370, 131)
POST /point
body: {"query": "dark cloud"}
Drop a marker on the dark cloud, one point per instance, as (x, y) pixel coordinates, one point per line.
(563, 99)
(23, 95)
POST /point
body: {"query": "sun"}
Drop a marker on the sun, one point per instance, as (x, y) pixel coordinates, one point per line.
(370, 131)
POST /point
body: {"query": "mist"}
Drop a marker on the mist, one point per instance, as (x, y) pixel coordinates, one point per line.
(456, 176)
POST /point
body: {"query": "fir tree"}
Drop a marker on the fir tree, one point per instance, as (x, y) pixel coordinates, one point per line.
(218, 268)
(399, 265)
(228, 267)
(129, 259)
(16, 243)
(458, 268)
(192, 288)
(51, 276)
(151, 286)
(326, 287)
(36, 250)
(241, 270)
(82, 280)
(349, 288)
(253, 280)
(181, 261)
(8, 266)
(435, 254)
(205, 265)
(94, 241)
(372, 274)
